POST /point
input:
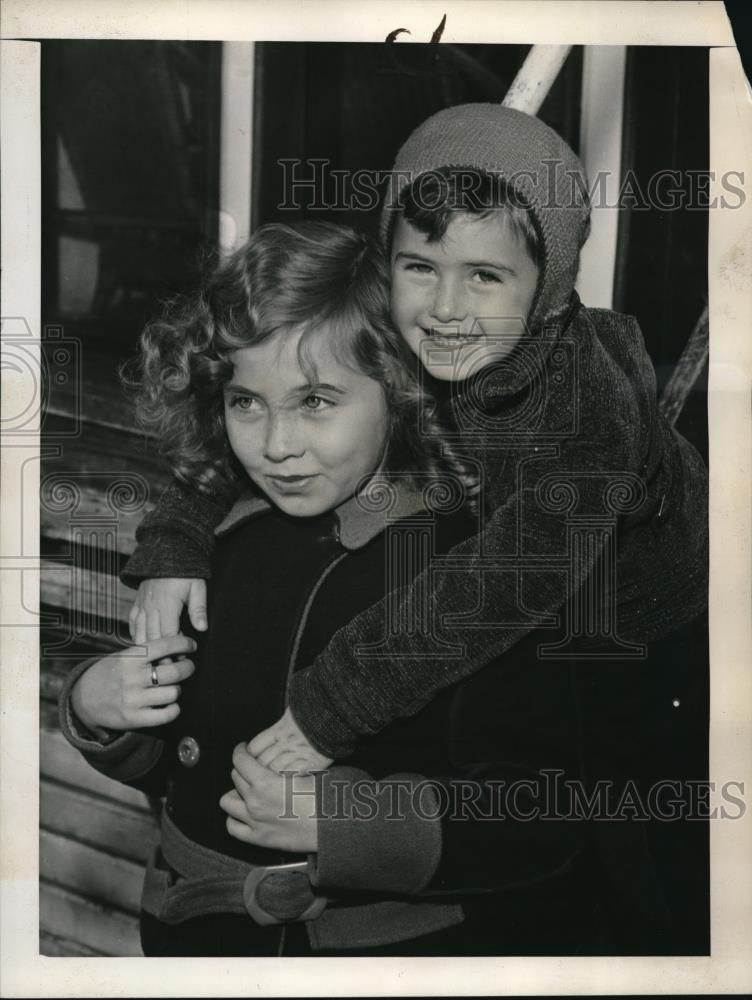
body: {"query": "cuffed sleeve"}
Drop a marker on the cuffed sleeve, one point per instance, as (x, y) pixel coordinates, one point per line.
(125, 757)
(176, 539)
(376, 836)
(413, 835)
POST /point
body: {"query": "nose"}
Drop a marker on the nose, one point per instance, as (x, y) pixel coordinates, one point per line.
(283, 438)
(448, 304)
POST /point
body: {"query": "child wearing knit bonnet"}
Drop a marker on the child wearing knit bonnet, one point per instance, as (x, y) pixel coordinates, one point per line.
(592, 532)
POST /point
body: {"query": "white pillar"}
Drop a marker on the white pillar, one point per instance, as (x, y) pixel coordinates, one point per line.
(235, 144)
(600, 152)
(535, 77)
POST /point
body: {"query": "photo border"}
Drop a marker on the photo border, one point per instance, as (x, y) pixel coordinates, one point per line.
(729, 969)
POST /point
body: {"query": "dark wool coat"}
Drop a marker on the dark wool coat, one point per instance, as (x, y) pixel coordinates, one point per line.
(586, 490)
(455, 831)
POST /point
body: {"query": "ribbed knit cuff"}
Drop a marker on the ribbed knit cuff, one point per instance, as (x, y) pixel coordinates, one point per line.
(176, 539)
(377, 836)
(322, 725)
(156, 560)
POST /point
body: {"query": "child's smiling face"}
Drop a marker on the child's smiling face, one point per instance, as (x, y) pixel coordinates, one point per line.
(306, 445)
(461, 302)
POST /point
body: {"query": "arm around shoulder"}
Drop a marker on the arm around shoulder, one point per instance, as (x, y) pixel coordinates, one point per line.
(176, 539)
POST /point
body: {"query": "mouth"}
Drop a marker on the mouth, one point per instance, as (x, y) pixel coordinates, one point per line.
(448, 337)
(291, 484)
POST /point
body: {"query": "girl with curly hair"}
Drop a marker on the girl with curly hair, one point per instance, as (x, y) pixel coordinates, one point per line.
(591, 542)
(284, 384)
(307, 283)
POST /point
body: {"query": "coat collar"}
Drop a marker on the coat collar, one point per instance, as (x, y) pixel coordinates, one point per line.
(361, 518)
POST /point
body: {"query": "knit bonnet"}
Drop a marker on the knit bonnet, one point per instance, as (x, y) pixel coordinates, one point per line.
(538, 165)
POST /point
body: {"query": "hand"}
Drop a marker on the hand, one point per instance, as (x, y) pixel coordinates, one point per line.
(117, 692)
(159, 603)
(270, 809)
(284, 747)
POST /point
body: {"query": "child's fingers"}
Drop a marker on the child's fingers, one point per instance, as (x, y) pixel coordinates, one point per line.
(244, 788)
(132, 617)
(296, 766)
(287, 760)
(139, 633)
(233, 805)
(169, 645)
(169, 672)
(158, 716)
(302, 766)
(262, 742)
(270, 754)
(249, 769)
(165, 694)
(153, 624)
(169, 618)
(241, 831)
(197, 605)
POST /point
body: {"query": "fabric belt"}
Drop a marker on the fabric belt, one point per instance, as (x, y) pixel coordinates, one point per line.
(211, 882)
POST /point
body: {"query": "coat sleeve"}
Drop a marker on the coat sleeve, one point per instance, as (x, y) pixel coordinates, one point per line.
(134, 758)
(408, 834)
(370, 675)
(176, 539)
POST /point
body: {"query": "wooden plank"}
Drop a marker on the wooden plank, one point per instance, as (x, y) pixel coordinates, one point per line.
(92, 393)
(65, 914)
(97, 448)
(60, 762)
(97, 475)
(101, 823)
(59, 947)
(93, 510)
(84, 646)
(90, 872)
(96, 596)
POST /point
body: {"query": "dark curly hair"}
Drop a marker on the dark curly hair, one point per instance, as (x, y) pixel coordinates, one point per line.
(434, 199)
(313, 275)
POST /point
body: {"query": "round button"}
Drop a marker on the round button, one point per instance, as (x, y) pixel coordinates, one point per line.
(188, 751)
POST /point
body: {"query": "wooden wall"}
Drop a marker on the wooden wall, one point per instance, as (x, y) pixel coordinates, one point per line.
(95, 834)
(130, 167)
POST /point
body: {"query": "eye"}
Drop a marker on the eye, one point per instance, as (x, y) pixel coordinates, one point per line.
(244, 404)
(418, 267)
(316, 403)
(487, 278)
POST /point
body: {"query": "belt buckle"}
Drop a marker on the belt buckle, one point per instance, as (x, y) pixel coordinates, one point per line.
(254, 879)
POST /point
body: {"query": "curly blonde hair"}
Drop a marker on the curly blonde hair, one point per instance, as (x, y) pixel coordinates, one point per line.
(315, 275)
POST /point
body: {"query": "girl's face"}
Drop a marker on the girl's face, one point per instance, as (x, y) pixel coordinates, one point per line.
(305, 445)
